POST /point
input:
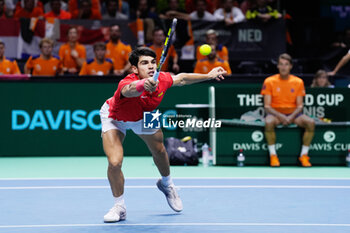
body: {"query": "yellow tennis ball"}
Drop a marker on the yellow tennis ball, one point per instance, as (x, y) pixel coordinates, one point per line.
(205, 49)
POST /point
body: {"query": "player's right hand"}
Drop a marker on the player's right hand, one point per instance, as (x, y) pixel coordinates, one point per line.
(150, 85)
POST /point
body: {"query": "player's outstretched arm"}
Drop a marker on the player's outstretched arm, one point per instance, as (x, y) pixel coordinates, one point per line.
(190, 78)
(136, 88)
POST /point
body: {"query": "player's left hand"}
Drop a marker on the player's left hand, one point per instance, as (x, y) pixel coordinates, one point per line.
(217, 73)
(150, 85)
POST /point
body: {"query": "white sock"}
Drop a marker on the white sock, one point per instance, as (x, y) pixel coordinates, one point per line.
(167, 181)
(119, 200)
(304, 150)
(272, 149)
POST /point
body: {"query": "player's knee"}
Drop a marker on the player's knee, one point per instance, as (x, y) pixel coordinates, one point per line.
(115, 163)
(269, 124)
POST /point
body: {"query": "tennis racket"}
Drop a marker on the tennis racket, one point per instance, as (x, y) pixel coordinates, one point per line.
(167, 45)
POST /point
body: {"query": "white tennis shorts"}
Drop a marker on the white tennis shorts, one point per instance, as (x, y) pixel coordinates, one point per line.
(122, 126)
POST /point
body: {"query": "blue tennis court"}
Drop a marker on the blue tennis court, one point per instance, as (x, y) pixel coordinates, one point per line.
(210, 205)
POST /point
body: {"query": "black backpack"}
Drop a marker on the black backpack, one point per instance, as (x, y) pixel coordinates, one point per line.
(181, 153)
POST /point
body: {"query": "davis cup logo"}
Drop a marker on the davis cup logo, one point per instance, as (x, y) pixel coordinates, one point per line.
(257, 136)
(329, 136)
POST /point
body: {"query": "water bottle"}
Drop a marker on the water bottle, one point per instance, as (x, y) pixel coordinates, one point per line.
(348, 159)
(240, 159)
(205, 155)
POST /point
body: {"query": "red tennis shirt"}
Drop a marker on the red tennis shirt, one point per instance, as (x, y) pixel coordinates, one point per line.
(131, 109)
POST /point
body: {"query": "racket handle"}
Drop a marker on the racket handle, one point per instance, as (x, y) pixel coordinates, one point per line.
(155, 76)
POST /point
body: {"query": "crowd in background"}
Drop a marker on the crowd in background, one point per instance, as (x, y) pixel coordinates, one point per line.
(111, 57)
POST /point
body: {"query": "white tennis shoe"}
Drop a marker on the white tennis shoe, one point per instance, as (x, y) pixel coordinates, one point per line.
(171, 195)
(117, 213)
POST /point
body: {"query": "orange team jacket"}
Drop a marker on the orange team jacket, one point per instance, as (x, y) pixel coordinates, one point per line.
(91, 67)
(204, 66)
(63, 15)
(95, 8)
(172, 53)
(221, 52)
(283, 92)
(9, 66)
(22, 13)
(41, 66)
(119, 53)
(67, 60)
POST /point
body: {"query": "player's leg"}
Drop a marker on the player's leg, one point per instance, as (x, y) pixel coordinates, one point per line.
(113, 148)
(270, 124)
(155, 144)
(308, 124)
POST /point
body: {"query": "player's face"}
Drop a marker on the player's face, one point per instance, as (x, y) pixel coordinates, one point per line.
(2, 50)
(145, 67)
(284, 67)
(100, 53)
(46, 49)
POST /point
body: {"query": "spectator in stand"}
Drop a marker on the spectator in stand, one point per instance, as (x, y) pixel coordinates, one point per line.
(174, 11)
(207, 64)
(72, 53)
(118, 51)
(144, 10)
(124, 7)
(45, 63)
(56, 11)
(10, 8)
(150, 19)
(47, 6)
(321, 80)
(262, 11)
(157, 46)
(112, 11)
(99, 65)
(211, 5)
(212, 39)
(345, 59)
(28, 9)
(246, 5)
(201, 13)
(229, 13)
(85, 9)
(3, 13)
(7, 66)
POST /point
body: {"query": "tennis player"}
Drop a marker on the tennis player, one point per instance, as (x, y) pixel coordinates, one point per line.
(136, 93)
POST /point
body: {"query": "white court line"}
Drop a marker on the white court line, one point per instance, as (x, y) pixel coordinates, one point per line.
(188, 187)
(181, 224)
(183, 178)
